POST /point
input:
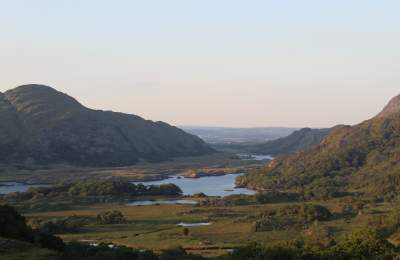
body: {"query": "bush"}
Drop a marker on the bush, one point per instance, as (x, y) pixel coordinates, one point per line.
(111, 217)
(62, 226)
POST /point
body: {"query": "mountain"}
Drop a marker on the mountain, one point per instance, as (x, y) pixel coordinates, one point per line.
(229, 135)
(43, 126)
(296, 141)
(364, 158)
(391, 108)
(299, 140)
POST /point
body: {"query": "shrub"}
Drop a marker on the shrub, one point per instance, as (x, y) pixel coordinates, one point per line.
(62, 226)
(111, 217)
(366, 244)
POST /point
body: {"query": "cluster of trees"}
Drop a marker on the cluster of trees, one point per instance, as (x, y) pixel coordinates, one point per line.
(72, 224)
(259, 198)
(291, 216)
(111, 217)
(87, 188)
(366, 244)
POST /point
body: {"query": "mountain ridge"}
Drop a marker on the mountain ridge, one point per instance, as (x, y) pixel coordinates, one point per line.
(361, 158)
(391, 108)
(299, 140)
(53, 128)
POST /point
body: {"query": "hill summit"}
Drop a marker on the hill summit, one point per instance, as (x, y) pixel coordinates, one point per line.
(393, 107)
(41, 125)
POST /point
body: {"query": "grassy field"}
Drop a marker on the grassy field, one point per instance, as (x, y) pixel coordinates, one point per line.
(155, 227)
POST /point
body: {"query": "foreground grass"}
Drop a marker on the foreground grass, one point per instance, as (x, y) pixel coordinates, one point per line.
(155, 227)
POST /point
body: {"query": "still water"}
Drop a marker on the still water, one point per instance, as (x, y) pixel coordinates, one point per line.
(9, 187)
(211, 186)
(161, 202)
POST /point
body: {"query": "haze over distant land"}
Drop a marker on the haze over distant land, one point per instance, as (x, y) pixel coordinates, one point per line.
(210, 63)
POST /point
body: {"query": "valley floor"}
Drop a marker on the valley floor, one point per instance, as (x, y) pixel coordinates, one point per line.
(155, 227)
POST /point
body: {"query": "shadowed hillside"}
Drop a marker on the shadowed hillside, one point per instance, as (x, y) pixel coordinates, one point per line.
(43, 126)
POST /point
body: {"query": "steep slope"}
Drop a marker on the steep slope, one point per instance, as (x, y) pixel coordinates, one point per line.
(11, 130)
(300, 140)
(52, 127)
(391, 108)
(362, 158)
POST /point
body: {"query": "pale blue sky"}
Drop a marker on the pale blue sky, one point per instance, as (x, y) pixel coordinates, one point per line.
(209, 62)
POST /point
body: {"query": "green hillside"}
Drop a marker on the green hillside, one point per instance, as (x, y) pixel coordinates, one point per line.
(363, 159)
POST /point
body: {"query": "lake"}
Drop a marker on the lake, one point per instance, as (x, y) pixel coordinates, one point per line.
(9, 187)
(211, 185)
(255, 157)
(182, 224)
(162, 202)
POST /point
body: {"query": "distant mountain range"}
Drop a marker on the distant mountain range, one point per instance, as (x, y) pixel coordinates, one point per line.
(230, 135)
(39, 125)
(300, 140)
(297, 141)
(364, 158)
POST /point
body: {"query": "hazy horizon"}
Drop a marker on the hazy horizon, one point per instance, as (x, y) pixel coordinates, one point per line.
(225, 64)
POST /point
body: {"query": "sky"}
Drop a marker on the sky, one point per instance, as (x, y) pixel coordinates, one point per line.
(250, 63)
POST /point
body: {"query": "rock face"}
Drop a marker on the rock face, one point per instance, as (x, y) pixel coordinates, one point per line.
(362, 158)
(41, 125)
